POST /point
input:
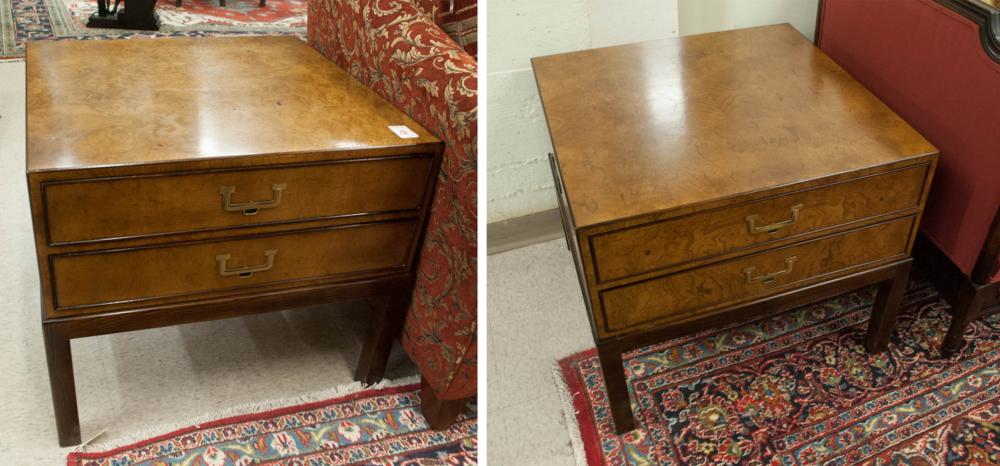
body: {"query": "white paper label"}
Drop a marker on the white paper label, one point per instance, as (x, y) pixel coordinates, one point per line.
(403, 132)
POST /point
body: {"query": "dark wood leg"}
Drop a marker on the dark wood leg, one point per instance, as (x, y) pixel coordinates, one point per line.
(222, 2)
(386, 323)
(610, 355)
(60, 360)
(440, 414)
(262, 3)
(967, 308)
(178, 3)
(887, 299)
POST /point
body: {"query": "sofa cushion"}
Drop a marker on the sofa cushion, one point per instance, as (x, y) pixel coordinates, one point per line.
(457, 18)
(460, 22)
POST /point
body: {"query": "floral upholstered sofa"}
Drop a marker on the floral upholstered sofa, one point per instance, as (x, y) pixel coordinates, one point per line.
(399, 48)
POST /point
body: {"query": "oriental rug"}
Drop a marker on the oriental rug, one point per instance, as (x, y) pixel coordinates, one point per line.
(798, 388)
(27, 20)
(380, 426)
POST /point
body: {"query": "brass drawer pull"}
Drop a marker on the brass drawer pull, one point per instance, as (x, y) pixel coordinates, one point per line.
(768, 278)
(248, 271)
(754, 229)
(251, 208)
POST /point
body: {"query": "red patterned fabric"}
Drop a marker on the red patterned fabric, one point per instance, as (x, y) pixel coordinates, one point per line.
(461, 23)
(927, 62)
(457, 18)
(395, 48)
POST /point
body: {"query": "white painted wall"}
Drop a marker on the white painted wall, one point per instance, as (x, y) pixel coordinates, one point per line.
(520, 182)
(699, 16)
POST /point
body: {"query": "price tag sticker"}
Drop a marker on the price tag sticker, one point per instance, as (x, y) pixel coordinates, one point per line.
(403, 132)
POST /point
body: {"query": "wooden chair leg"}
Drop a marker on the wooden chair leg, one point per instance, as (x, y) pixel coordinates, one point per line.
(60, 361)
(385, 325)
(883, 318)
(440, 414)
(262, 3)
(967, 308)
(614, 379)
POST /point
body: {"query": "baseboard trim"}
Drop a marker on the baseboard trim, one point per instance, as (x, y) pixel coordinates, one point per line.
(523, 231)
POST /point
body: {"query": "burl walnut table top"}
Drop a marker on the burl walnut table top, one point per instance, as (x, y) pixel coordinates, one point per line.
(660, 125)
(118, 102)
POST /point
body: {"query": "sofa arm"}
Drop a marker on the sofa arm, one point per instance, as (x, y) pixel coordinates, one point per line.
(395, 48)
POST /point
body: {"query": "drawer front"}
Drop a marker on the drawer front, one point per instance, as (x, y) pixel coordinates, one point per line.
(623, 253)
(697, 292)
(151, 205)
(162, 272)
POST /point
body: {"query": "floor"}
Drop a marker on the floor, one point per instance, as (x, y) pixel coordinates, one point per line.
(537, 317)
(138, 380)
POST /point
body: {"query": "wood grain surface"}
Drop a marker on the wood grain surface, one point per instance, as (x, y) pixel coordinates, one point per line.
(190, 269)
(140, 101)
(696, 293)
(653, 126)
(635, 250)
(126, 207)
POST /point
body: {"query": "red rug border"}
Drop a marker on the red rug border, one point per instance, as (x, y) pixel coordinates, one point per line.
(76, 456)
(585, 421)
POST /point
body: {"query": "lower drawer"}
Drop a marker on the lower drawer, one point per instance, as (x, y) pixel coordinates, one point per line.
(100, 278)
(699, 292)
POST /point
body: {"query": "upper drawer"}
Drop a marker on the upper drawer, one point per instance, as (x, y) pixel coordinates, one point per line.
(631, 251)
(173, 271)
(116, 208)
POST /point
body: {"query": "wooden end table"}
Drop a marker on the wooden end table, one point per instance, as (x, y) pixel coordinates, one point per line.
(713, 178)
(183, 180)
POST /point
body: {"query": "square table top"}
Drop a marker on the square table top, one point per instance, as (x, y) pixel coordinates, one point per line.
(653, 126)
(124, 102)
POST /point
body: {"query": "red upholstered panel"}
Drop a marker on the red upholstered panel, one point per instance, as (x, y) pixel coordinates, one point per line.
(928, 64)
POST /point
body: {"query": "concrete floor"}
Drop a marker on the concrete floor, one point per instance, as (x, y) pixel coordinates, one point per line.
(536, 317)
(138, 380)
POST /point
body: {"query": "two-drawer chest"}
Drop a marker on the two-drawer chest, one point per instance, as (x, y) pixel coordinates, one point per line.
(181, 180)
(714, 178)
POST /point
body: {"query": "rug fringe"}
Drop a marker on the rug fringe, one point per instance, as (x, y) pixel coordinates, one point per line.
(246, 408)
(569, 412)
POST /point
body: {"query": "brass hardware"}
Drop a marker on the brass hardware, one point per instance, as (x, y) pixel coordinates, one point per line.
(247, 271)
(251, 208)
(754, 229)
(768, 278)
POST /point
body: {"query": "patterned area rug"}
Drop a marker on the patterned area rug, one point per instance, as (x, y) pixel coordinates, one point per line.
(374, 426)
(799, 389)
(24, 20)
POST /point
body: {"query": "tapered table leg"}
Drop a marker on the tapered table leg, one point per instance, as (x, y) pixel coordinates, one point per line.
(386, 323)
(60, 361)
(887, 299)
(614, 379)
(967, 309)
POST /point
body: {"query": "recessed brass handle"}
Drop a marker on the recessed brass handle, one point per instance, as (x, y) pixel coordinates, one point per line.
(251, 208)
(768, 278)
(754, 229)
(248, 271)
